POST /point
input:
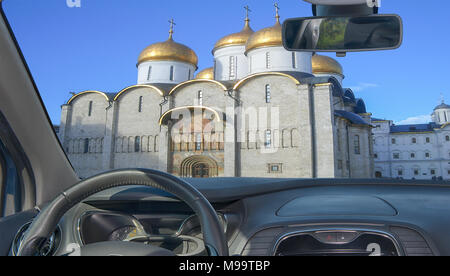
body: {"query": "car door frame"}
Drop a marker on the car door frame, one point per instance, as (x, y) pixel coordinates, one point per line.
(24, 110)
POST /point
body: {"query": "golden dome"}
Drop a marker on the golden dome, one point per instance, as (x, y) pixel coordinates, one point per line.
(268, 37)
(236, 39)
(169, 51)
(326, 65)
(207, 74)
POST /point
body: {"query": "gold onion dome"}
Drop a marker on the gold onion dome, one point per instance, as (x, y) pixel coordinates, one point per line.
(326, 65)
(207, 74)
(236, 39)
(268, 37)
(169, 51)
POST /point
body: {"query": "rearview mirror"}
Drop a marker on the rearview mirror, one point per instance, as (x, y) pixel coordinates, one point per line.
(343, 34)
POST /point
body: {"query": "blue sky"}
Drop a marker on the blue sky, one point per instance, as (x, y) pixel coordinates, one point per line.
(95, 47)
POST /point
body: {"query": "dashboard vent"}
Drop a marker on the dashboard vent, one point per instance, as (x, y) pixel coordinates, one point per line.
(262, 242)
(413, 243)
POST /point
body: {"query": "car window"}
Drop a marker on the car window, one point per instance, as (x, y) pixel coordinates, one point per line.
(2, 182)
(10, 189)
(131, 84)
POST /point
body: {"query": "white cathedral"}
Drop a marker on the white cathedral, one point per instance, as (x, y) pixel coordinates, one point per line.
(260, 111)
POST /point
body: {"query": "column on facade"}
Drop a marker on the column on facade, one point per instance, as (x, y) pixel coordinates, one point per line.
(164, 138)
(324, 132)
(66, 121)
(306, 137)
(110, 136)
(230, 143)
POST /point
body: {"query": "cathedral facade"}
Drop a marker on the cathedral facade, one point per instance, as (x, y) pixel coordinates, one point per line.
(259, 111)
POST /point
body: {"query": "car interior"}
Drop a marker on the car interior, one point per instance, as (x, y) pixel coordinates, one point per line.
(47, 210)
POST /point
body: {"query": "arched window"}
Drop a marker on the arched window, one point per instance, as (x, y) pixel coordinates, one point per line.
(413, 155)
(268, 142)
(268, 94)
(86, 145)
(357, 144)
(232, 68)
(90, 108)
(294, 60)
(149, 74)
(414, 140)
(268, 61)
(200, 97)
(171, 73)
(198, 141)
(137, 144)
(141, 101)
(447, 138)
(396, 155)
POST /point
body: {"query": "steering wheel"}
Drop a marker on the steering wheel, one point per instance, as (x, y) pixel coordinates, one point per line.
(47, 220)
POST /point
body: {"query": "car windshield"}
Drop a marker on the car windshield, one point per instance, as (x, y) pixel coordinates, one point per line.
(205, 89)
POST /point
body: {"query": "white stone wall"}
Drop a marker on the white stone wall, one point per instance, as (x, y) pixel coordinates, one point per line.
(86, 157)
(222, 58)
(279, 60)
(160, 72)
(114, 128)
(291, 138)
(415, 160)
(213, 95)
(134, 124)
(342, 150)
(361, 164)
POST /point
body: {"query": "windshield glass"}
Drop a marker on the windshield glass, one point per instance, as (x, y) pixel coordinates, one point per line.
(206, 89)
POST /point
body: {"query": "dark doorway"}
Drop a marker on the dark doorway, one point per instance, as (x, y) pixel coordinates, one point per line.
(200, 170)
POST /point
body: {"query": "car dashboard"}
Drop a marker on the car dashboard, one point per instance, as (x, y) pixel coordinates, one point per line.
(278, 218)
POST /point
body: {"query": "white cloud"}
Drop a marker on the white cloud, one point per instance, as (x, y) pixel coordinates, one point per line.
(421, 119)
(363, 86)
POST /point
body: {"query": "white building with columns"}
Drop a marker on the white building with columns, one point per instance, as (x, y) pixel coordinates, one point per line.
(259, 111)
(419, 151)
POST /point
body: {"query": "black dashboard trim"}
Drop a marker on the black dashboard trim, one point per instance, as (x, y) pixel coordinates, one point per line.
(232, 189)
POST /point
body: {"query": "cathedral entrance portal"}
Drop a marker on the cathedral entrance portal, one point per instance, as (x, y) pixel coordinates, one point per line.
(200, 170)
(199, 167)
